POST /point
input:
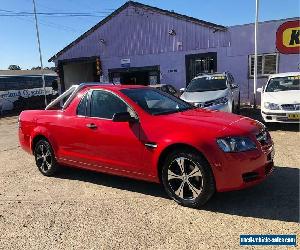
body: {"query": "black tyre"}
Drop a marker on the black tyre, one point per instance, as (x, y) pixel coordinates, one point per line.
(45, 158)
(188, 179)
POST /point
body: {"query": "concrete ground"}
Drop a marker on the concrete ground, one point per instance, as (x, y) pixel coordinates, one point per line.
(84, 210)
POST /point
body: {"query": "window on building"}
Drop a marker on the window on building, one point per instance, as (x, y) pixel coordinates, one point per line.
(266, 64)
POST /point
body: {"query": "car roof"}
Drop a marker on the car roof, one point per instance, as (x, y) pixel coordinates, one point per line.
(285, 74)
(110, 86)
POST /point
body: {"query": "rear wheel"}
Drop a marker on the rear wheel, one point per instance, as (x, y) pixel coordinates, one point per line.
(44, 158)
(188, 179)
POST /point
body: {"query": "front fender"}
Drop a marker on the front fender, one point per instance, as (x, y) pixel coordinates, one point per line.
(204, 145)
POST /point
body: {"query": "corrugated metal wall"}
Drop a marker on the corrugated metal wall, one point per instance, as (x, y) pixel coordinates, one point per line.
(137, 31)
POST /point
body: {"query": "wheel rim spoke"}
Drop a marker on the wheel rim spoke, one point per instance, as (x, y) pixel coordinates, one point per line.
(38, 157)
(179, 191)
(48, 165)
(42, 149)
(48, 153)
(43, 166)
(172, 175)
(194, 190)
(180, 162)
(195, 172)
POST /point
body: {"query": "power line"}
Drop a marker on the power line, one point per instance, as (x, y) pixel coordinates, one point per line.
(58, 14)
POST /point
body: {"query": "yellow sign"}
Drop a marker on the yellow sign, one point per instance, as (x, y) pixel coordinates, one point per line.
(288, 37)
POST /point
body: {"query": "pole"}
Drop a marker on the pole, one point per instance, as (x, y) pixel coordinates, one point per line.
(39, 45)
(255, 53)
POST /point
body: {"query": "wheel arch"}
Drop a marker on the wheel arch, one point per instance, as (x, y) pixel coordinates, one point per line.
(177, 146)
(35, 140)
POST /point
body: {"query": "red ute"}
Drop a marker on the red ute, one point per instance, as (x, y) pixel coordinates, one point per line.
(144, 133)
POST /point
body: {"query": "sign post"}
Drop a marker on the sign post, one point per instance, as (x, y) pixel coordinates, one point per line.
(39, 45)
(255, 53)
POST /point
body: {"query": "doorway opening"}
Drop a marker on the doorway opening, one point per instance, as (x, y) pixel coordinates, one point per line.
(200, 63)
(79, 70)
(135, 75)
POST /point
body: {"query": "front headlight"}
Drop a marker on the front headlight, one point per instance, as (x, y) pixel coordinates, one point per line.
(222, 100)
(236, 144)
(271, 106)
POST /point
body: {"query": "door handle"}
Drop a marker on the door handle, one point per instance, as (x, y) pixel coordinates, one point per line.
(91, 125)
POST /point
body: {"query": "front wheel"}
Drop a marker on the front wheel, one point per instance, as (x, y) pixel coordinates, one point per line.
(44, 158)
(188, 179)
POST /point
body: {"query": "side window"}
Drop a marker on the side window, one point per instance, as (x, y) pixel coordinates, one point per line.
(82, 106)
(105, 104)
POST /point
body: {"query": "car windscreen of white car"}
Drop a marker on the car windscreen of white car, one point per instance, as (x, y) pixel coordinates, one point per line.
(283, 84)
(207, 83)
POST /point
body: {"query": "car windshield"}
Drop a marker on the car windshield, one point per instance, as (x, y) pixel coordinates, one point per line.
(155, 101)
(207, 83)
(283, 84)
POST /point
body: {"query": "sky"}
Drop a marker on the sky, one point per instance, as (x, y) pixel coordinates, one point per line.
(18, 44)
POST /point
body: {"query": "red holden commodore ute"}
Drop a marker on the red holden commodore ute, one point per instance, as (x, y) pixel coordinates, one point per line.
(144, 133)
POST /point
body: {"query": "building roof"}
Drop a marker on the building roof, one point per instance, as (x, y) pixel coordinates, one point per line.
(25, 72)
(268, 21)
(143, 6)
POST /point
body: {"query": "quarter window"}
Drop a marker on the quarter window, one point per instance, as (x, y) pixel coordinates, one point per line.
(105, 104)
(267, 64)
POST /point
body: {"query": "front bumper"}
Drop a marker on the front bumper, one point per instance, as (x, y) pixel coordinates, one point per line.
(234, 171)
(281, 116)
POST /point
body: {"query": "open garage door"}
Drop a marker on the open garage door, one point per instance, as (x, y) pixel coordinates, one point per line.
(76, 71)
(135, 75)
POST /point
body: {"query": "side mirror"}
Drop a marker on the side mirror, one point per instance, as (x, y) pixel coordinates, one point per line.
(234, 86)
(123, 117)
(260, 90)
(182, 90)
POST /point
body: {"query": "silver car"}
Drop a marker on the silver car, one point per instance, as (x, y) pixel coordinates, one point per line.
(216, 91)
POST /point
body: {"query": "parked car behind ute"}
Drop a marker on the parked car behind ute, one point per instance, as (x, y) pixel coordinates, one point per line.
(144, 133)
(280, 98)
(216, 91)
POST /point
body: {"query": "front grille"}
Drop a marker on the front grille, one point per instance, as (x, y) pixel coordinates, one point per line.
(208, 104)
(291, 107)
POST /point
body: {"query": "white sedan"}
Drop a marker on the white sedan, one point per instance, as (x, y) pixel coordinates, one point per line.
(280, 98)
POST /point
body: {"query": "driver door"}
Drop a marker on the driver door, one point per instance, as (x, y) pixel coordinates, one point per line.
(107, 144)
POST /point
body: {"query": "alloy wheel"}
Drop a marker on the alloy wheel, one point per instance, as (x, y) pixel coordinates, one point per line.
(185, 178)
(43, 158)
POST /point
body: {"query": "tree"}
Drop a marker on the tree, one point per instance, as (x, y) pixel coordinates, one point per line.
(36, 68)
(14, 67)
